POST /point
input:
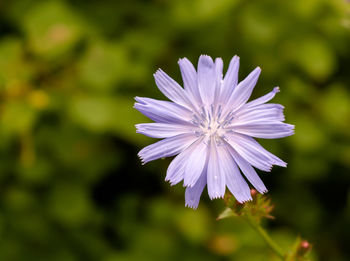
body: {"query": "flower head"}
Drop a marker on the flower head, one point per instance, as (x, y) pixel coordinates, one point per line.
(209, 125)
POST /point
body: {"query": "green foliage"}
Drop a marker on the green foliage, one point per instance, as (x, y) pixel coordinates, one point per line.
(71, 186)
(253, 212)
(258, 208)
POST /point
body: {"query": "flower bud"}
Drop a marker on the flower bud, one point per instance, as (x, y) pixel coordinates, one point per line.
(303, 248)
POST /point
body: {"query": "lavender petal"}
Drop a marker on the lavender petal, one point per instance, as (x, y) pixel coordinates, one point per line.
(230, 81)
(162, 130)
(189, 76)
(167, 147)
(242, 92)
(163, 111)
(196, 162)
(215, 176)
(263, 99)
(248, 172)
(206, 79)
(171, 89)
(265, 130)
(193, 194)
(234, 180)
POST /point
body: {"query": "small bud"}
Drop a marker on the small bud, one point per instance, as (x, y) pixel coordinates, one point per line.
(304, 244)
(303, 248)
(253, 192)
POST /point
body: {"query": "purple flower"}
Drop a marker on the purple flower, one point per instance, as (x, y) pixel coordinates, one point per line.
(209, 125)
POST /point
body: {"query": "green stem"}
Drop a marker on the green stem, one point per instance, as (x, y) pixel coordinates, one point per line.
(269, 241)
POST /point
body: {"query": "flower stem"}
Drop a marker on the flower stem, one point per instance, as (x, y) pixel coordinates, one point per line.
(269, 241)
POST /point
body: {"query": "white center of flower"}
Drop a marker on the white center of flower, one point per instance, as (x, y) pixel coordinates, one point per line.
(211, 123)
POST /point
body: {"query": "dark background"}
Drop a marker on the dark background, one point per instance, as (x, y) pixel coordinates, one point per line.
(71, 185)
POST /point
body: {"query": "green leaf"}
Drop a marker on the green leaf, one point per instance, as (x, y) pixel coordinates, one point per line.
(227, 213)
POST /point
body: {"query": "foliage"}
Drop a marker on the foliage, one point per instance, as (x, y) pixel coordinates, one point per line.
(253, 212)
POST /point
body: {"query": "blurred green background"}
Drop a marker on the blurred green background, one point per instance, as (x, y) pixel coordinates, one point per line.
(71, 185)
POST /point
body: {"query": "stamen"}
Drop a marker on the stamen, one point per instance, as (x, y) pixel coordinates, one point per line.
(212, 110)
(203, 113)
(211, 127)
(227, 122)
(198, 133)
(219, 112)
(209, 117)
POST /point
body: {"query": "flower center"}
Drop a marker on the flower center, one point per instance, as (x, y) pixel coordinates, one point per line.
(211, 123)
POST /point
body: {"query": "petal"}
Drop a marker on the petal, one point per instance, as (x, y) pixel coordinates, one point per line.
(248, 171)
(253, 152)
(175, 172)
(230, 80)
(242, 92)
(171, 89)
(250, 143)
(263, 99)
(234, 180)
(219, 64)
(176, 169)
(265, 130)
(163, 111)
(252, 157)
(167, 147)
(163, 130)
(260, 113)
(189, 77)
(193, 194)
(206, 79)
(215, 176)
(195, 163)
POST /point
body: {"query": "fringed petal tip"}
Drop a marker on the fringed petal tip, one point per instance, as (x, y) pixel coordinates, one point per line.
(276, 89)
(139, 100)
(243, 196)
(268, 169)
(171, 182)
(143, 162)
(173, 179)
(216, 196)
(284, 164)
(192, 205)
(263, 191)
(205, 56)
(188, 184)
(275, 163)
(181, 60)
(248, 197)
(142, 157)
(291, 130)
(242, 201)
(280, 163)
(204, 62)
(158, 71)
